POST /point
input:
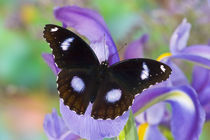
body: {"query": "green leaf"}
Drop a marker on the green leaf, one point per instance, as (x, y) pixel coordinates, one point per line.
(129, 132)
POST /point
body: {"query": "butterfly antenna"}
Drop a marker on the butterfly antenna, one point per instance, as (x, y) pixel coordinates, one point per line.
(118, 50)
(104, 46)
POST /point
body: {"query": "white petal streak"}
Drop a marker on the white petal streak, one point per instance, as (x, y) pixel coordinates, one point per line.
(183, 99)
(101, 50)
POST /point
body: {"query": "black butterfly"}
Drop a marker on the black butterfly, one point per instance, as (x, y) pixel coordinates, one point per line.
(83, 79)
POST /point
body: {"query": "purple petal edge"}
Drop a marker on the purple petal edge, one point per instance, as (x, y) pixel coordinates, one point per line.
(193, 58)
(177, 77)
(180, 36)
(48, 58)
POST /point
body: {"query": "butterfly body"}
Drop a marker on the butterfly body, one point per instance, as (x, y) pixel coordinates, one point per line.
(84, 80)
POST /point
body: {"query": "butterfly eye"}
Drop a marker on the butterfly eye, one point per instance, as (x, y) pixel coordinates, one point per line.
(145, 72)
(113, 95)
(77, 84)
(66, 44)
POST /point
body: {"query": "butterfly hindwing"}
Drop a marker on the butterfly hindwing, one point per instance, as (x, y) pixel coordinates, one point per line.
(68, 49)
(112, 99)
(75, 88)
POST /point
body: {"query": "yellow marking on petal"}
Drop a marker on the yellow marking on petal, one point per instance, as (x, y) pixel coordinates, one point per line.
(142, 130)
(164, 55)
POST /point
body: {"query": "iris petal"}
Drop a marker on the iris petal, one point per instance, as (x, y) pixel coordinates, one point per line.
(194, 58)
(196, 53)
(87, 127)
(180, 36)
(135, 48)
(88, 23)
(200, 79)
(201, 82)
(186, 109)
(56, 129)
(152, 115)
(48, 58)
(177, 77)
(153, 133)
(69, 136)
(207, 109)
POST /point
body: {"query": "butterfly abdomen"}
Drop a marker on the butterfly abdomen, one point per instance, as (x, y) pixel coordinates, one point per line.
(98, 76)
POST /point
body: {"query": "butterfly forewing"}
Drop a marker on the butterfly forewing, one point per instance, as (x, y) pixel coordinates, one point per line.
(139, 74)
(69, 50)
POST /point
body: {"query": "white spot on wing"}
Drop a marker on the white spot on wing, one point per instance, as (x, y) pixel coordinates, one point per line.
(113, 95)
(54, 29)
(65, 45)
(77, 84)
(145, 72)
(162, 68)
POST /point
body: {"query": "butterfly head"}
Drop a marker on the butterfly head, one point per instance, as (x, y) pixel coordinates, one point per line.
(105, 63)
(103, 66)
(102, 69)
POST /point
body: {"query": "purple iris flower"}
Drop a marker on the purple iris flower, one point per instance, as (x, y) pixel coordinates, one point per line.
(185, 106)
(151, 117)
(199, 54)
(187, 114)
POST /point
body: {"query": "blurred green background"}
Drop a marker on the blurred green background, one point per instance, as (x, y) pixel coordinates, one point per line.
(27, 85)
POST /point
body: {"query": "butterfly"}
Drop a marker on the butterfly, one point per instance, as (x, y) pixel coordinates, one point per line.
(83, 79)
